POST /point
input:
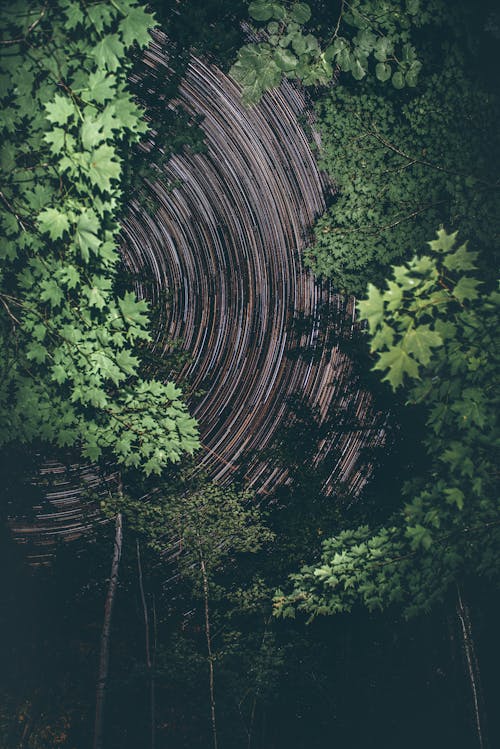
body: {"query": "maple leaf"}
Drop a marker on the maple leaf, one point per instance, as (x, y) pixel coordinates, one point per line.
(91, 132)
(129, 114)
(134, 27)
(444, 242)
(87, 227)
(56, 139)
(462, 259)
(53, 222)
(397, 363)
(419, 341)
(51, 292)
(466, 288)
(101, 86)
(108, 51)
(95, 297)
(372, 308)
(60, 109)
(103, 167)
(132, 310)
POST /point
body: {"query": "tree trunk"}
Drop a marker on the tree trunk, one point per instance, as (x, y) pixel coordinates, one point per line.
(149, 663)
(473, 672)
(209, 650)
(105, 636)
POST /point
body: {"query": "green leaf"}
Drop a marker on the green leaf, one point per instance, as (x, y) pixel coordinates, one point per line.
(60, 110)
(134, 28)
(383, 338)
(133, 311)
(419, 341)
(53, 222)
(300, 12)
(95, 297)
(393, 296)
(444, 242)
(87, 228)
(101, 87)
(419, 536)
(455, 496)
(104, 167)
(260, 10)
(108, 52)
(461, 260)
(398, 80)
(383, 71)
(466, 288)
(56, 138)
(397, 363)
(91, 132)
(285, 59)
(51, 292)
(357, 70)
(411, 75)
(372, 308)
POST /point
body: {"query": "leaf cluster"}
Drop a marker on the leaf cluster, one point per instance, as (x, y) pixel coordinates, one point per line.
(368, 34)
(432, 330)
(69, 372)
(402, 168)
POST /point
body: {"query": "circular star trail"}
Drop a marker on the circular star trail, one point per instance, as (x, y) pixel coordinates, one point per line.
(223, 245)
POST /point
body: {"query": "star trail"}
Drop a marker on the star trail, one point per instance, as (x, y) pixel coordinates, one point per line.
(223, 245)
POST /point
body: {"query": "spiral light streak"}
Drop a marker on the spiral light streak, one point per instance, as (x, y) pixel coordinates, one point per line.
(225, 244)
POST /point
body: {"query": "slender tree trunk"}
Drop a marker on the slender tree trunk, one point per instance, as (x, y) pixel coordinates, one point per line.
(153, 681)
(149, 663)
(472, 665)
(105, 636)
(209, 648)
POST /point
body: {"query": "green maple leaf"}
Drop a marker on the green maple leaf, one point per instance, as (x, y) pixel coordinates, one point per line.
(393, 296)
(419, 342)
(95, 297)
(53, 222)
(101, 15)
(91, 450)
(39, 196)
(60, 109)
(129, 114)
(101, 87)
(87, 227)
(133, 311)
(455, 496)
(36, 352)
(134, 27)
(59, 373)
(73, 13)
(127, 362)
(69, 276)
(397, 363)
(383, 338)
(51, 292)
(91, 132)
(424, 265)
(466, 288)
(56, 139)
(444, 242)
(108, 52)
(372, 308)
(104, 167)
(462, 259)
